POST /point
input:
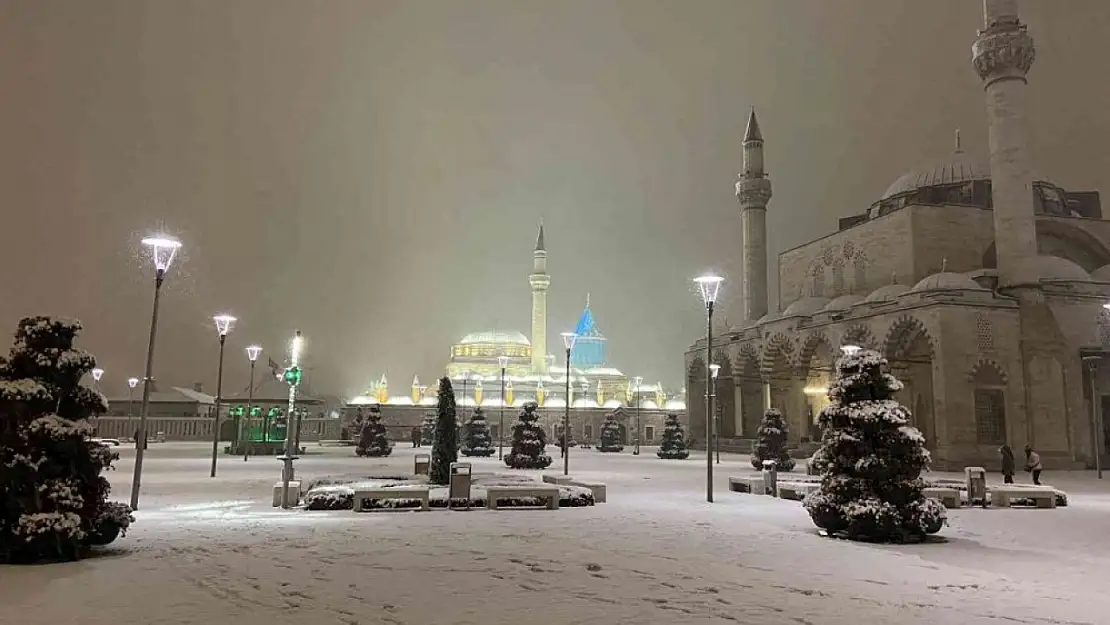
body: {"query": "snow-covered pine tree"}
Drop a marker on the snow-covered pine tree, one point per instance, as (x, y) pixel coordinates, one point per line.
(673, 445)
(445, 445)
(428, 429)
(54, 498)
(871, 459)
(771, 442)
(478, 441)
(372, 439)
(529, 441)
(610, 434)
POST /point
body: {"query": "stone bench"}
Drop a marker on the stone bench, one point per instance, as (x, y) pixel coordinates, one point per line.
(949, 497)
(597, 488)
(551, 493)
(796, 491)
(294, 491)
(551, 478)
(395, 492)
(1042, 496)
(751, 485)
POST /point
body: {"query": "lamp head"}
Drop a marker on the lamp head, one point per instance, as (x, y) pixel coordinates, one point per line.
(295, 349)
(850, 349)
(253, 351)
(503, 361)
(714, 370)
(223, 323)
(568, 339)
(638, 380)
(464, 376)
(96, 373)
(162, 251)
(132, 382)
(709, 286)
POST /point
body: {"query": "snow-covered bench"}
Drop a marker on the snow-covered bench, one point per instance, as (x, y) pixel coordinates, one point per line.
(394, 492)
(1042, 496)
(746, 484)
(294, 492)
(550, 493)
(552, 478)
(597, 488)
(950, 497)
(796, 491)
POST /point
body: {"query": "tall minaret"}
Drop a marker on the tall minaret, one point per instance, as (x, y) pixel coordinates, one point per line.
(539, 281)
(754, 191)
(1002, 56)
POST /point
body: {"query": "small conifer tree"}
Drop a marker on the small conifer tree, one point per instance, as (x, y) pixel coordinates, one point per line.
(445, 446)
(477, 441)
(372, 438)
(529, 441)
(771, 442)
(610, 435)
(673, 445)
(428, 429)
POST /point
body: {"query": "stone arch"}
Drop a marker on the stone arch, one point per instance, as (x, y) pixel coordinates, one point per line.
(1058, 238)
(809, 346)
(987, 372)
(725, 396)
(695, 399)
(775, 359)
(902, 335)
(747, 359)
(858, 334)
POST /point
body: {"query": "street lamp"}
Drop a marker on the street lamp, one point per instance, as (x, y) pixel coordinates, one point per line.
(714, 369)
(131, 384)
(162, 250)
(709, 286)
(848, 350)
(1096, 414)
(292, 377)
(503, 362)
(252, 355)
(97, 373)
(464, 376)
(223, 326)
(568, 342)
(636, 381)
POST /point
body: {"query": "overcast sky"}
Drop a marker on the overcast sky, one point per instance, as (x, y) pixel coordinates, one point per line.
(372, 171)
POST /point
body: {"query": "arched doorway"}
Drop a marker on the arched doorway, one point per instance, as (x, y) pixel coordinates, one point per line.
(909, 350)
(695, 399)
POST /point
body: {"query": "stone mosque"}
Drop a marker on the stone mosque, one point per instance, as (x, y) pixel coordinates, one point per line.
(981, 280)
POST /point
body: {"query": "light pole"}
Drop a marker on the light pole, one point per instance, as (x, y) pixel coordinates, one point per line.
(162, 249)
(252, 355)
(464, 376)
(503, 361)
(714, 369)
(223, 326)
(292, 377)
(131, 384)
(709, 286)
(1096, 414)
(636, 381)
(568, 342)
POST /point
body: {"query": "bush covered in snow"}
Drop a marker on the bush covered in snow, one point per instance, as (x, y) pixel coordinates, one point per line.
(610, 434)
(445, 444)
(529, 441)
(52, 496)
(478, 441)
(871, 459)
(673, 445)
(337, 493)
(372, 439)
(771, 442)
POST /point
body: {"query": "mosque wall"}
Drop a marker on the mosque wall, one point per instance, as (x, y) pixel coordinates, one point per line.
(950, 237)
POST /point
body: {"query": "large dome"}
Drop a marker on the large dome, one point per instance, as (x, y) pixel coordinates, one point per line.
(496, 338)
(958, 168)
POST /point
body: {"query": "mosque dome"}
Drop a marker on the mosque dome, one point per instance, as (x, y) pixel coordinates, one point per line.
(844, 302)
(1102, 274)
(886, 293)
(497, 338)
(805, 307)
(960, 167)
(946, 281)
(1035, 269)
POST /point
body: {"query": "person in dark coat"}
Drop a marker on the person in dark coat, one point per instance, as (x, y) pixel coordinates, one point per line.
(1008, 463)
(1033, 464)
(415, 436)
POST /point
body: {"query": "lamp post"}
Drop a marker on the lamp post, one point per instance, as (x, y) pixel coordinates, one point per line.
(1096, 414)
(709, 286)
(503, 361)
(464, 376)
(162, 250)
(252, 355)
(131, 384)
(636, 381)
(714, 369)
(568, 342)
(223, 326)
(292, 377)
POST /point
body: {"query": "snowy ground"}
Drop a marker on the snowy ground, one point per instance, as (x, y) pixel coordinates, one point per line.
(212, 551)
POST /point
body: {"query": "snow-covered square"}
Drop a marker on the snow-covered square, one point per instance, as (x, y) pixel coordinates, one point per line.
(213, 551)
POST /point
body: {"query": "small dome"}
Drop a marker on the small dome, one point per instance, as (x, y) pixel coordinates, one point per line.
(500, 338)
(674, 404)
(649, 405)
(585, 403)
(886, 293)
(400, 400)
(805, 307)
(844, 302)
(1102, 274)
(1035, 269)
(946, 281)
(612, 403)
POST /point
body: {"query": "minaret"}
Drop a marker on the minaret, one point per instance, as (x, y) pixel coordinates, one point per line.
(1002, 56)
(754, 191)
(539, 281)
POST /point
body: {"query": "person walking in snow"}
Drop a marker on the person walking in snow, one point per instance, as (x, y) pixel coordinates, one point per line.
(1033, 464)
(1008, 464)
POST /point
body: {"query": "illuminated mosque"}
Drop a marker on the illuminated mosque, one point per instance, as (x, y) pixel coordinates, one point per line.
(479, 360)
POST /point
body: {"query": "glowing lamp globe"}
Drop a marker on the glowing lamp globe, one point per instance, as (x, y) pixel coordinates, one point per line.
(850, 349)
(569, 339)
(163, 249)
(252, 352)
(223, 323)
(97, 373)
(132, 382)
(709, 286)
(503, 361)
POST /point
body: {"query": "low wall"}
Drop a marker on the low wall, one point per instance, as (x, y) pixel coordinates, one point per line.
(200, 428)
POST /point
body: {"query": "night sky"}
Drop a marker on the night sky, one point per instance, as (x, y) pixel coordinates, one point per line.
(372, 172)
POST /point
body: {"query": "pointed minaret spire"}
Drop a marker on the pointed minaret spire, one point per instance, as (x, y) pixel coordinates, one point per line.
(539, 280)
(752, 132)
(959, 145)
(539, 239)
